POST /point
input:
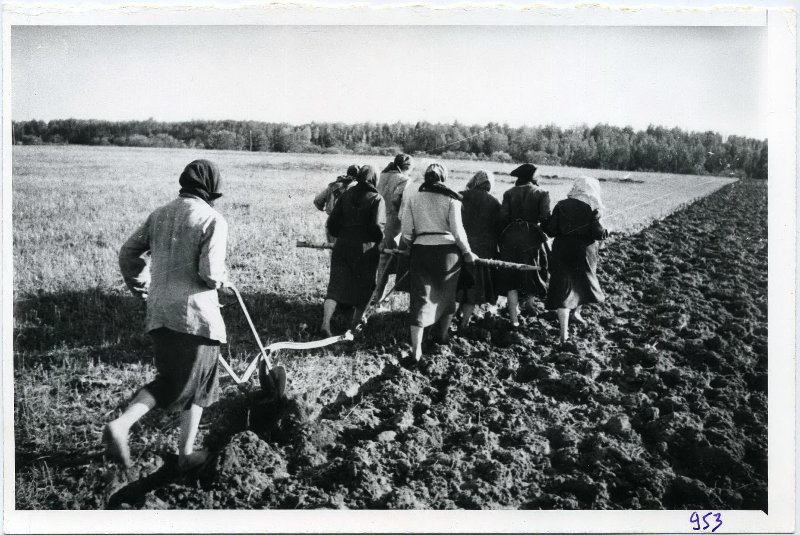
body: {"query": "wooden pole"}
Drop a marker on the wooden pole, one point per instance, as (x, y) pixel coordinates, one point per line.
(489, 262)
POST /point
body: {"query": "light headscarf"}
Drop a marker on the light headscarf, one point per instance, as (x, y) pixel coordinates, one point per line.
(587, 189)
(435, 173)
(483, 180)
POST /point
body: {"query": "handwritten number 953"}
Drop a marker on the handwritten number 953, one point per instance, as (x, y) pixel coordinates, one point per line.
(696, 518)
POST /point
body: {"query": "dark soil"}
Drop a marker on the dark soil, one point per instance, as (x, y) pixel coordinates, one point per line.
(660, 400)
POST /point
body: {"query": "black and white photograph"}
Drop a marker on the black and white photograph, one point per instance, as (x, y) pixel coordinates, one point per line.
(400, 262)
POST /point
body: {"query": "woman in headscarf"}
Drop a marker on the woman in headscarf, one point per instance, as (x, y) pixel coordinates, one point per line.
(357, 223)
(391, 185)
(185, 241)
(525, 208)
(481, 216)
(326, 199)
(575, 225)
(431, 222)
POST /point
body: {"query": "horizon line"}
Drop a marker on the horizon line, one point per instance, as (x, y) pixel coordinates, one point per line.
(455, 121)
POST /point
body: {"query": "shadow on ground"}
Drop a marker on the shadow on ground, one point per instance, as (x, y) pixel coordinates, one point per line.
(103, 327)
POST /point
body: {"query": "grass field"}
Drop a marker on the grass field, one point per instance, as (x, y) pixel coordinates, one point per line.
(79, 352)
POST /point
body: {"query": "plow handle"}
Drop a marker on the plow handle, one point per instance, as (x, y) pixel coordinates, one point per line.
(251, 368)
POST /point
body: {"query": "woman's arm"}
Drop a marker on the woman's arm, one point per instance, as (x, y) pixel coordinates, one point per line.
(334, 223)
(544, 208)
(212, 254)
(322, 198)
(378, 219)
(505, 212)
(407, 221)
(134, 260)
(457, 226)
(551, 227)
(596, 229)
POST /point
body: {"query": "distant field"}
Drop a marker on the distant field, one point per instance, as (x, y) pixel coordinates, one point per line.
(79, 350)
(74, 206)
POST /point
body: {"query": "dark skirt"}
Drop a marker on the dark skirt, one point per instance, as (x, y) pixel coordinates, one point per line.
(476, 286)
(433, 273)
(523, 243)
(352, 278)
(186, 368)
(573, 273)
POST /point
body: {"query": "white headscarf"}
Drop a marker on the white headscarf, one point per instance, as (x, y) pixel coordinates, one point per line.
(587, 189)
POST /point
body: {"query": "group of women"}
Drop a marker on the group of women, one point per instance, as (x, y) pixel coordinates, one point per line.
(175, 262)
(382, 223)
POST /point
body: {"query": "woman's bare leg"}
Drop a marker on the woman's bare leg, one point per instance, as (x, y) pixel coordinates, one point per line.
(513, 311)
(563, 320)
(416, 341)
(577, 315)
(190, 421)
(115, 434)
(444, 328)
(328, 308)
(466, 313)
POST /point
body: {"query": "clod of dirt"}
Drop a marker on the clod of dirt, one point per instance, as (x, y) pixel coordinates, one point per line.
(619, 425)
(247, 466)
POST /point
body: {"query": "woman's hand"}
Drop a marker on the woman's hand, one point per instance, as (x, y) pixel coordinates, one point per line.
(470, 257)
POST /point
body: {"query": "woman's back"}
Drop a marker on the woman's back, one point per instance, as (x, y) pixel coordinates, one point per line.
(429, 213)
(526, 203)
(575, 218)
(359, 214)
(481, 216)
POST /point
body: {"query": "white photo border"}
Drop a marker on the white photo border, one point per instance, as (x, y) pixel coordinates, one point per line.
(783, 299)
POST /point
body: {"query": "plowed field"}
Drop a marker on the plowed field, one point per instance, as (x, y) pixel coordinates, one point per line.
(659, 403)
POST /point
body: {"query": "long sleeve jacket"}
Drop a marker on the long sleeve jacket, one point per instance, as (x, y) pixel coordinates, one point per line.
(176, 260)
(575, 218)
(525, 203)
(434, 219)
(391, 185)
(359, 215)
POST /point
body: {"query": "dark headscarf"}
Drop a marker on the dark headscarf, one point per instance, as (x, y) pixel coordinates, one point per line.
(352, 171)
(401, 163)
(435, 177)
(367, 175)
(201, 179)
(524, 174)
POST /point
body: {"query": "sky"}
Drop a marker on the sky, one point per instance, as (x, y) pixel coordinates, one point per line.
(695, 78)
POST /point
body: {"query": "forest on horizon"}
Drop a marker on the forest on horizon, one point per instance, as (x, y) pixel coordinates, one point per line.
(658, 149)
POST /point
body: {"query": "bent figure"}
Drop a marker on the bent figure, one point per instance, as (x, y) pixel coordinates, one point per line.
(326, 199)
(575, 225)
(186, 241)
(525, 209)
(481, 216)
(391, 185)
(357, 221)
(431, 221)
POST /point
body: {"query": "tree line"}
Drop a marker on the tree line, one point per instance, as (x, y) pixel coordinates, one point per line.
(602, 146)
